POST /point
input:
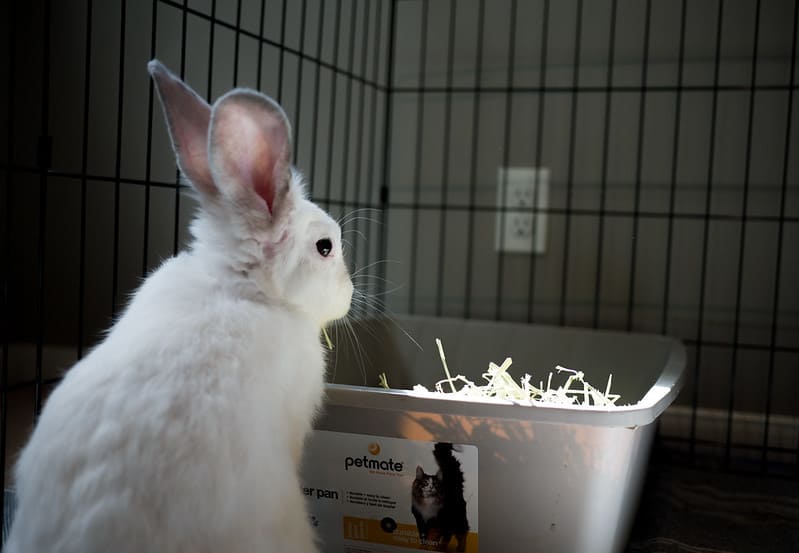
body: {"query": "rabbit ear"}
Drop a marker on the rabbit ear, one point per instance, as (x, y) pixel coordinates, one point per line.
(187, 117)
(250, 148)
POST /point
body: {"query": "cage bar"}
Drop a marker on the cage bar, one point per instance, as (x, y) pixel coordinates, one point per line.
(461, 108)
(570, 175)
(706, 230)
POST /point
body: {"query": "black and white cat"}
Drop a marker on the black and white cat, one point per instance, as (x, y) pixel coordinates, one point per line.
(437, 501)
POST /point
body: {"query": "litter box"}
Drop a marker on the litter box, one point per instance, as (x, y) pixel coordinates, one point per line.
(550, 479)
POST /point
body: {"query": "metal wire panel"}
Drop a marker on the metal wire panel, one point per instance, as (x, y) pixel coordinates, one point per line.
(669, 130)
(91, 198)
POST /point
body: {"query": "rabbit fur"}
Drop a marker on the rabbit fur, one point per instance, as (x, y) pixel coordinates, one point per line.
(182, 431)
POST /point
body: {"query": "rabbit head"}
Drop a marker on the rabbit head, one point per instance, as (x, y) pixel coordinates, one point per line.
(255, 222)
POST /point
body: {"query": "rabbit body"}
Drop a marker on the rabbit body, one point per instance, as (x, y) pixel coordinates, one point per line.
(200, 457)
(182, 431)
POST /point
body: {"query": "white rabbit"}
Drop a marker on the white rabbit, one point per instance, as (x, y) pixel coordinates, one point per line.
(183, 430)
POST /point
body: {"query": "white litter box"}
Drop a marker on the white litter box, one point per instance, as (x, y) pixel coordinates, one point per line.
(547, 479)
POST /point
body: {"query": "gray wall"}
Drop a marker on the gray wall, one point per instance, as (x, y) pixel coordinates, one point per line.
(334, 109)
(672, 218)
(641, 221)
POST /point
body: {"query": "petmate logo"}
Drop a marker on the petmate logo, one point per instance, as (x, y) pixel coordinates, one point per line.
(374, 463)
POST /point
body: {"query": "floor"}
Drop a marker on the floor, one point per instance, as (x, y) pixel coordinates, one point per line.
(686, 510)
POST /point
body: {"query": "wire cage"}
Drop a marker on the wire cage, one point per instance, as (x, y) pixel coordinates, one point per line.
(666, 131)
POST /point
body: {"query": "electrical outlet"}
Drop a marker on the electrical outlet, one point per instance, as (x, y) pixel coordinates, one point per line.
(520, 190)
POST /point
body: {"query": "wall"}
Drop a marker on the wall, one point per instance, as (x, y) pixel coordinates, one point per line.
(322, 61)
(81, 229)
(674, 196)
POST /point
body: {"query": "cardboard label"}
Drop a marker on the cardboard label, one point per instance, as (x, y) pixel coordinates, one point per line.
(369, 494)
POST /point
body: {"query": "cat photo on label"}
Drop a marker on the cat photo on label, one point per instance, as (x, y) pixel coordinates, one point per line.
(438, 504)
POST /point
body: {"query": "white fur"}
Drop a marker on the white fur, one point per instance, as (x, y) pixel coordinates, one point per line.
(182, 431)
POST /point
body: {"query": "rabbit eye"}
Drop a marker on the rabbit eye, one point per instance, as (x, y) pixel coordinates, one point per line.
(324, 247)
